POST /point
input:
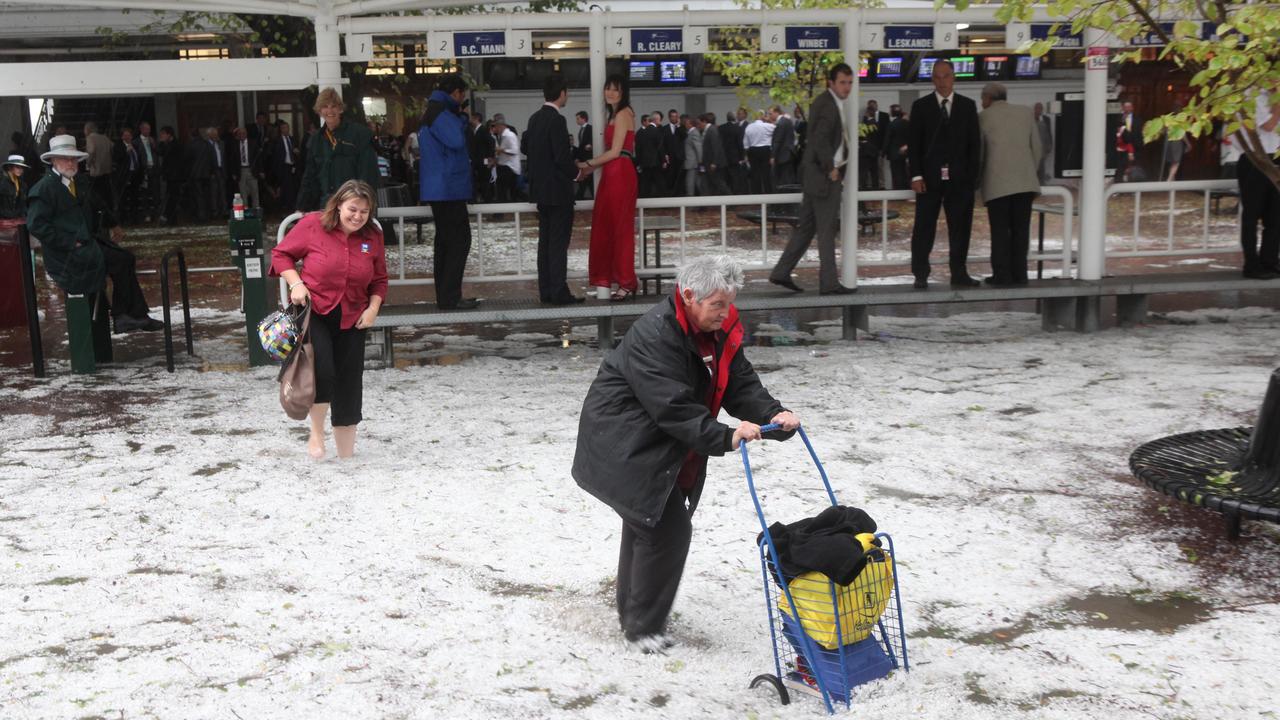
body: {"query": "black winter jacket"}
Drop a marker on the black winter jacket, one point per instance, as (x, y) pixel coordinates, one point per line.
(647, 408)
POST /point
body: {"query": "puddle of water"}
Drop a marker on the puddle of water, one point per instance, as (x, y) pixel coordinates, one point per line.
(1137, 611)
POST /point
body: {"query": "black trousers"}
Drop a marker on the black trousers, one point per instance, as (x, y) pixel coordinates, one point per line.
(956, 199)
(505, 185)
(555, 227)
(126, 294)
(650, 564)
(1259, 200)
(784, 174)
(898, 171)
(172, 194)
(653, 182)
(339, 367)
(199, 187)
(868, 171)
(737, 178)
(1010, 218)
(452, 245)
(760, 180)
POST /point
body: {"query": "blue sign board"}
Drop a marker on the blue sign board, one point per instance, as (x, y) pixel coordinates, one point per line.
(479, 44)
(813, 38)
(657, 40)
(1066, 39)
(1150, 39)
(908, 37)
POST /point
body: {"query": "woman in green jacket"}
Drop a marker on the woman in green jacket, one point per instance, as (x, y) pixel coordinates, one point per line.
(341, 151)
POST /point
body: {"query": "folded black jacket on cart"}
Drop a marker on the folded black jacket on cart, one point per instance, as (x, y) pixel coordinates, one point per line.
(826, 543)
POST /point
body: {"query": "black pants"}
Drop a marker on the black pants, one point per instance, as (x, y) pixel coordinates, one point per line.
(650, 564)
(172, 194)
(585, 190)
(505, 190)
(452, 245)
(1010, 218)
(1259, 200)
(868, 171)
(737, 178)
(126, 294)
(957, 200)
(199, 187)
(653, 182)
(898, 172)
(784, 174)
(760, 180)
(555, 227)
(339, 367)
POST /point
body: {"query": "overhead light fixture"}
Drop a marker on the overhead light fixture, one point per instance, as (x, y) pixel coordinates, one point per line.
(558, 45)
(977, 40)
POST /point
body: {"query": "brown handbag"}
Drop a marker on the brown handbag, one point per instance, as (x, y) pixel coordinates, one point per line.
(298, 376)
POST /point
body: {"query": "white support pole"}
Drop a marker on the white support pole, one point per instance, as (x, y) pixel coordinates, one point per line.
(849, 203)
(596, 42)
(328, 49)
(1093, 209)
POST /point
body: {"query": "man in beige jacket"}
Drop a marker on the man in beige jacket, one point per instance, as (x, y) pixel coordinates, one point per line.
(99, 164)
(1009, 182)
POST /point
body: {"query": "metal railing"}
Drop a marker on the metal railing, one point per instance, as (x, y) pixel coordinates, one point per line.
(1170, 189)
(404, 215)
(164, 301)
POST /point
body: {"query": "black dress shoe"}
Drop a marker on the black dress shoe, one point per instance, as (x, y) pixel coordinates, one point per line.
(463, 304)
(993, 281)
(964, 281)
(839, 290)
(125, 323)
(920, 284)
(150, 324)
(1260, 274)
(788, 284)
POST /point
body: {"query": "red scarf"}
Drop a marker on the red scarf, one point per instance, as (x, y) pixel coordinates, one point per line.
(729, 339)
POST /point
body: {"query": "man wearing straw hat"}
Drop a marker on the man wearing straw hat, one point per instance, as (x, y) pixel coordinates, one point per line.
(69, 220)
(13, 191)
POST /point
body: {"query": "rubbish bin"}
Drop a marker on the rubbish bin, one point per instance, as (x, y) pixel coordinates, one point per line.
(13, 310)
(247, 253)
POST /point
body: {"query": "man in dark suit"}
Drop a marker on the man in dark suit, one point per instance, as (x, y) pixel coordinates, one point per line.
(481, 148)
(821, 173)
(283, 162)
(200, 164)
(673, 135)
(258, 131)
(552, 173)
(871, 146)
(174, 172)
(782, 148)
(245, 167)
(583, 151)
(712, 156)
(1128, 145)
(650, 155)
(944, 150)
(896, 141)
(733, 172)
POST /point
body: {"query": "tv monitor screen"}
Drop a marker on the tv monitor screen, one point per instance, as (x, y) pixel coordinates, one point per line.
(864, 66)
(926, 68)
(994, 66)
(502, 73)
(889, 68)
(536, 72)
(964, 66)
(1027, 67)
(675, 71)
(643, 71)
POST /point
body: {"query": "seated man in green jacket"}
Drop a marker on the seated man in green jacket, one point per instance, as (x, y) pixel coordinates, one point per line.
(68, 220)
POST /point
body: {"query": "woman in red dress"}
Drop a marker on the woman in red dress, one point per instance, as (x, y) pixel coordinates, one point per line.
(611, 261)
(344, 275)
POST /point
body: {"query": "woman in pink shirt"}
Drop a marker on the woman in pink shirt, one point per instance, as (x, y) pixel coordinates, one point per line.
(344, 275)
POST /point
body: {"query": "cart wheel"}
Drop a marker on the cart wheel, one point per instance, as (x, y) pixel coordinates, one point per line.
(777, 685)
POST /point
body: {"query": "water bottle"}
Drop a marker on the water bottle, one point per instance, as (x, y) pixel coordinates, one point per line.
(237, 207)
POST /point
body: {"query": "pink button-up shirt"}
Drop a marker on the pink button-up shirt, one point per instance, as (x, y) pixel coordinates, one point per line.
(338, 269)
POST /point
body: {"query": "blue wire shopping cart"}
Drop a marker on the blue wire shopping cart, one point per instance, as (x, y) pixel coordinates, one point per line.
(827, 639)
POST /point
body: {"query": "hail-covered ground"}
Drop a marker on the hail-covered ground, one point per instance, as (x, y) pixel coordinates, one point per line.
(169, 551)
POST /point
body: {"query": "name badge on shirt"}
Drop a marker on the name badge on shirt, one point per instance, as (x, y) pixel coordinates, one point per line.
(364, 248)
(946, 172)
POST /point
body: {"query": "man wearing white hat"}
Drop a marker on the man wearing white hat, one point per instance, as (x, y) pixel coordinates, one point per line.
(69, 220)
(13, 191)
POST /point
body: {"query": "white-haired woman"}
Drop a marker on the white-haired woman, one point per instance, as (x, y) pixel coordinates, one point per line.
(649, 422)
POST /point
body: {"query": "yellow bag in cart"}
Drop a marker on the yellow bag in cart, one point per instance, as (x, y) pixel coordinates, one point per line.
(859, 604)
